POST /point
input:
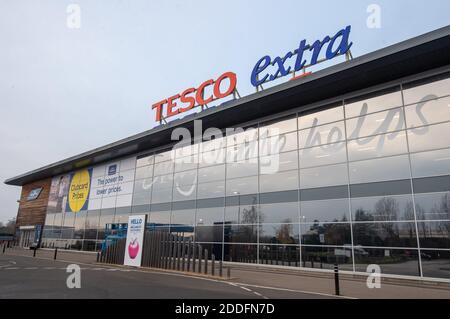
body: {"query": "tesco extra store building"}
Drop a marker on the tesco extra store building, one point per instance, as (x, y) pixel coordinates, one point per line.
(362, 176)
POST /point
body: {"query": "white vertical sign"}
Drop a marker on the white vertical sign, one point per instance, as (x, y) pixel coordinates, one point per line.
(135, 240)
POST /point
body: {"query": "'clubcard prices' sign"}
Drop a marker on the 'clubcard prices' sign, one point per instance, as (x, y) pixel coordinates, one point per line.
(135, 240)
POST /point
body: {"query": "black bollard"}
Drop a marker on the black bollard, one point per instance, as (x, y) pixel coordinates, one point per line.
(34, 252)
(336, 279)
(4, 247)
(56, 252)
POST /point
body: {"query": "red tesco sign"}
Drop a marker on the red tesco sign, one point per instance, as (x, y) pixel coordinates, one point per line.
(194, 97)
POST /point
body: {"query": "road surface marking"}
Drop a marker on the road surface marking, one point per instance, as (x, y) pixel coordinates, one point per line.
(297, 291)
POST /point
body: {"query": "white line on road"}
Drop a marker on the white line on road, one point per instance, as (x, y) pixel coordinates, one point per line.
(293, 290)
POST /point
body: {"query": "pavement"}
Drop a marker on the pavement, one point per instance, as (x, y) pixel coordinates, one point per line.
(25, 276)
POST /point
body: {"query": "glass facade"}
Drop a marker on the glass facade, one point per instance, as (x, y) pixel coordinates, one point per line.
(363, 181)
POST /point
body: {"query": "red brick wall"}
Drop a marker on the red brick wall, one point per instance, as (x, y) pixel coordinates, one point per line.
(33, 212)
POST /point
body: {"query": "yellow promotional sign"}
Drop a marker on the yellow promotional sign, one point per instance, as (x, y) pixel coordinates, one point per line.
(79, 190)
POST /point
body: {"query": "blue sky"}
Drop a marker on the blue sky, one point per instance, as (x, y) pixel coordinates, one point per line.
(65, 91)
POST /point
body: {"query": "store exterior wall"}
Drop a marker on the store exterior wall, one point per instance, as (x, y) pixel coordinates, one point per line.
(32, 211)
(365, 180)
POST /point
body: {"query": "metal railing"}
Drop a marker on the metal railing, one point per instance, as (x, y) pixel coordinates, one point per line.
(165, 250)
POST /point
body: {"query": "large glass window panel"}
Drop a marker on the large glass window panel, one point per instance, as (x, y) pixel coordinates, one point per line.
(279, 126)
(377, 146)
(375, 124)
(244, 214)
(49, 219)
(325, 257)
(209, 234)
(434, 234)
(184, 192)
(333, 114)
(323, 155)
(279, 182)
(69, 220)
(242, 186)
(182, 217)
(429, 112)
(168, 155)
(242, 168)
(186, 163)
(386, 234)
(430, 90)
(122, 215)
(279, 213)
(158, 218)
(285, 255)
(106, 217)
(335, 210)
(429, 137)
(431, 163)
(145, 161)
(211, 158)
(183, 150)
(185, 178)
(143, 186)
(391, 261)
(211, 190)
(80, 223)
(57, 225)
(162, 182)
(435, 263)
(323, 176)
(209, 216)
(240, 234)
(163, 168)
(278, 144)
(374, 103)
(161, 195)
(236, 136)
(434, 206)
(141, 199)
(381, 169)
(144, 172)
(162, 189)
(389, 208)
(215, 143)
(281, 234)
(91, 226)
(210, 174)
(320, 135)
(242, 152)
(279, 162)
(325, 234)
(241, 253)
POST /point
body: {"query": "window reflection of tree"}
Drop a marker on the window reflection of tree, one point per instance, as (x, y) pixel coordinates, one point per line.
(282, 234)
(333, 234)
(435, 233)
(385, 232)
(249, 216)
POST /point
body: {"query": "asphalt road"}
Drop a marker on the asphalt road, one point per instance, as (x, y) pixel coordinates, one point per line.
(27, 277)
